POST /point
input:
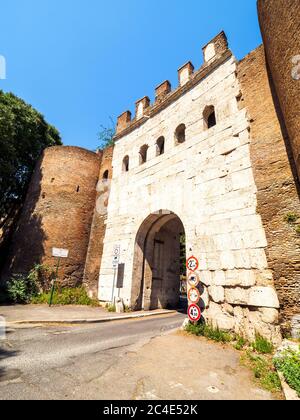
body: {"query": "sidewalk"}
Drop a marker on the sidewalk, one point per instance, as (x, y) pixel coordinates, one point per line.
(42, 314)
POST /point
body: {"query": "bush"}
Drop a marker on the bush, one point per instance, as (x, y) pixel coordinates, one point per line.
(289, 365)
(66, 296)
(111, 308)
(21, 289)
(263, 346)
(205, 330)
(42, 276)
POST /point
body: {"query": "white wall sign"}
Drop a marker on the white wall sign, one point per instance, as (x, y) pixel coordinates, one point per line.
(60, 253)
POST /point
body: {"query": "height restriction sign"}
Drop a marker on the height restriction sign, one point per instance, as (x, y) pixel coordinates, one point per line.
(192, 264)
(194, 313)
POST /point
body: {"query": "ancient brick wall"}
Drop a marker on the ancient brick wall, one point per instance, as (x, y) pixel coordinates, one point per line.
(280, 25)
(277, 191)
(95, 249)
(57, 213)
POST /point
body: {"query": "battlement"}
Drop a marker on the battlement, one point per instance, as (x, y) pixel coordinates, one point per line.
(215, 53)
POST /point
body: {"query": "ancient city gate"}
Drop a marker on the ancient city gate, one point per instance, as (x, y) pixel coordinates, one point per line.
(156, 266)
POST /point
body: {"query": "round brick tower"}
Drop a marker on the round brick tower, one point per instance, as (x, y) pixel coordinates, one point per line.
(58, 213)
(280, 26)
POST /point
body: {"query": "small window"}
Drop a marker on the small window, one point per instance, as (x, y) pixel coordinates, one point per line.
(180, 134)
(160, 146)
(209, 116)
(126, 164)
(143, 154)
(106, 175)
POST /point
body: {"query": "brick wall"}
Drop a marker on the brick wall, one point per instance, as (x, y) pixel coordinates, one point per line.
(58, 213)
(277, 192)
(95, 249)
(280, 25)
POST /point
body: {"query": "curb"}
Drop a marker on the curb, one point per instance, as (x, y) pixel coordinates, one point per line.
(91, 321)
(290, 394)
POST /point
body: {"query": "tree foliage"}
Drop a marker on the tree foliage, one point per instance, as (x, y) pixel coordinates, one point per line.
(106, 135)
(24, 134)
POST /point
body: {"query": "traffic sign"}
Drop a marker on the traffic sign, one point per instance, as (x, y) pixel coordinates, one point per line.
(194, 295)
(117, 250)
(193, 279)
(192, 264)
(194, 313)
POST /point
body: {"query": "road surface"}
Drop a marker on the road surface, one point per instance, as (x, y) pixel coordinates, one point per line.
(61, 362)
(146, 359)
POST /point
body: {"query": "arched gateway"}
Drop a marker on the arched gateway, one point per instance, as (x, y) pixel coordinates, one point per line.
(157, 262)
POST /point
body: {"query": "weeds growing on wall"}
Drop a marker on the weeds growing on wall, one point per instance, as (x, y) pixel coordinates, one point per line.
(263, 346)
(207, 331)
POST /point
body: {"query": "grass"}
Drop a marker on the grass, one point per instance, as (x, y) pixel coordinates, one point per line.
(289, 365)
(207, 331)
(111, 308)
(67, 296)
(263, 369)
(263, 346)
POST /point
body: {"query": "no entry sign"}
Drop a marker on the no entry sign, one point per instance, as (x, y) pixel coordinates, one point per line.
(194, 313)
(192, 264)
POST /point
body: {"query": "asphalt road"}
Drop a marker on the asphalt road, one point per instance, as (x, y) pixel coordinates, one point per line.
(62, 362)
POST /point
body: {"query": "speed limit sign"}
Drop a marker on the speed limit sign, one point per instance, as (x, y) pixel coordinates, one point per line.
(192, 264)
(194, 313)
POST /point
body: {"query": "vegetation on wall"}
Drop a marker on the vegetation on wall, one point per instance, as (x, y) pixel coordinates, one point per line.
(106, 135)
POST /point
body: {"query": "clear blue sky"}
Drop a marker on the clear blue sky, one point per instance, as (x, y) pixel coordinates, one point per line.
(80, 62)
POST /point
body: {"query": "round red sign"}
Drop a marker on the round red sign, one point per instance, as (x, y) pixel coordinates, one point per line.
(194, 295)
(194, 313)
(192, 264)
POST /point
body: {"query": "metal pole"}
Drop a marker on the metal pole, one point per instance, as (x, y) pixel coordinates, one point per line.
(113, 289)
(53, 285)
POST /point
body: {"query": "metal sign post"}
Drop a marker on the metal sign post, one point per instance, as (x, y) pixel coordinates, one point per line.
(57, 253)
(115, 264)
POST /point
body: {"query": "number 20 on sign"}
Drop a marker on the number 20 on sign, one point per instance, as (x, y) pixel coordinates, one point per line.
(192, 264)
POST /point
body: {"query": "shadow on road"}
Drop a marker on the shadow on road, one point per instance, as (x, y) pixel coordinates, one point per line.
(5, 353)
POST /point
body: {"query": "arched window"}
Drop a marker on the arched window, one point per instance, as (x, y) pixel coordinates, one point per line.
(126, 164)
(209, 117)
(160, 146)
(180, 134)
(105, 176)
(143, 154)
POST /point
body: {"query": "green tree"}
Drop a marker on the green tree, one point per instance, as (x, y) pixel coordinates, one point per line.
(24, 134)
(106, 135)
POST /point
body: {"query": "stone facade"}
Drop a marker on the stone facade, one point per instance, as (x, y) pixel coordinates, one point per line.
(208, 183)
